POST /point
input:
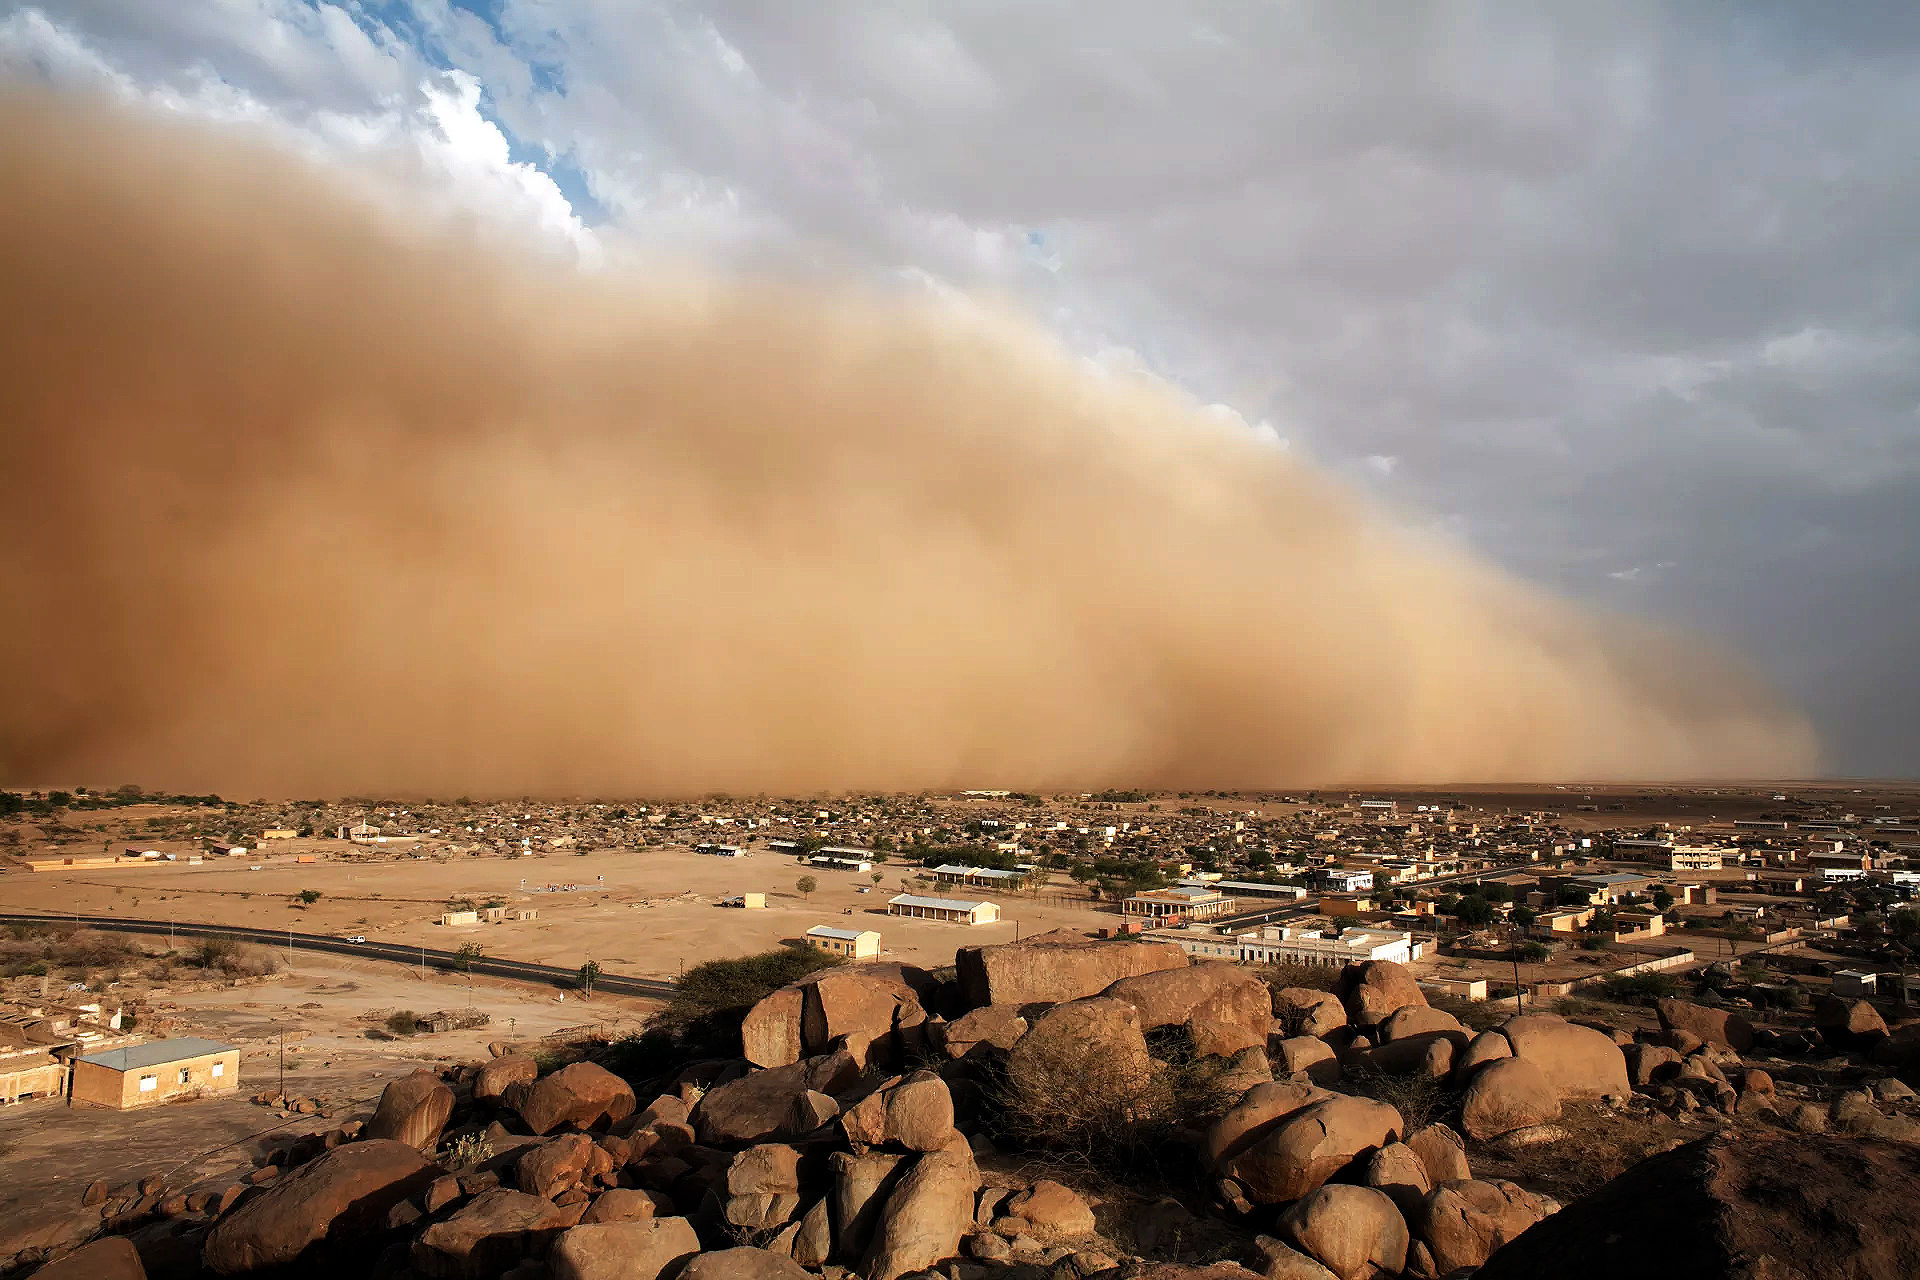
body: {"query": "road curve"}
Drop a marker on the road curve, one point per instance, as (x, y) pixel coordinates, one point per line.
(492, 966)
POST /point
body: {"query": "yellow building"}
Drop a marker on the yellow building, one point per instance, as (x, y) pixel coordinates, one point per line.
(31, 1074)
(854, 944)
(145, 1075)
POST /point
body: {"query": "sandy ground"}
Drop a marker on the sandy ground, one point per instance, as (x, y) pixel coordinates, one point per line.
(640, 913)
(49, 1151)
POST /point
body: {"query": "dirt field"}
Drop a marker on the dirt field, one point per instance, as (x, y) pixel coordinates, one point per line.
(641, 914)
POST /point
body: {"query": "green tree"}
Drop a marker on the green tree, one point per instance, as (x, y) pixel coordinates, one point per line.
(467, 954)
(1662, 900)
(1474, 910)
(589, 974)
(308, 896)
(806, 885)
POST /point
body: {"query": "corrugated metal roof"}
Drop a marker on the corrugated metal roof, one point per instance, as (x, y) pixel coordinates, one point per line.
(156, 1053)
(827, 931)
(935, 904)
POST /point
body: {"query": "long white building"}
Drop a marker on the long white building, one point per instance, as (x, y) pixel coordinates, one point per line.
(1294, 944)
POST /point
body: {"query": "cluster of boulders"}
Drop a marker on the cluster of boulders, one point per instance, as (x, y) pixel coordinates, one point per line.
(854, 1136)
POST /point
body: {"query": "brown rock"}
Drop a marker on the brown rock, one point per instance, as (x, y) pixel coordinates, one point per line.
(579, 1095)
(1737, 1207)
(623, 1250)
(1086, 1049)
(489, 1234)
(1226, 1004)
(1848, 1024)
(1651, 1063)
(1714, 1026)
(869, 1003)
(413, 1110)
(1421, 1020)
(336, 1198)
(743, 1264)
(1281, 1261)
(96, 1193)
(1052, 1210)
(1442, 1152)
(1578, 1061)
(1374, 990)
(861, 1186)
(1308, 1054)
(1508, 1094)
(984, 1033)
(770, 1033)
(1307, 1012)
(1314, 1144)
(491, 1081)
(813, 1242)
(1260, 1109)
(928, 1211)
(1056, 967)
(1463, 1223)
(621, 1204)
(551, 1167)
(762, 1104)
(1397, 1170)
(1355, 1232)
(440, 1193)
(111, 1258)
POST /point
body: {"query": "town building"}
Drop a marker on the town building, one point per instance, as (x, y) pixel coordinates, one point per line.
(1343, 879)
(951, 910)
(854, 944)
(991, 877)
(279, 833)
(747, 901)
(1248, 888)
(1856, 984)
(457, 918)
(1695, 858)
(840, 861)
(145, 1075)
(1180, 903)
(720, 850)
(1290, 944)
(26, 1074)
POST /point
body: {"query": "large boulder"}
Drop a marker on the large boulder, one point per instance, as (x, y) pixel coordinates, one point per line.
(1421, 1020)
(496, 1075)
(1311, 1146)
(1056, 967)
(764, 1104)
(861, 1185)
(490, 1234)
(337, 1199)
(915, 1113)
(1461, 1224)
(1488, 1046)
(413, 1110)
(623, 1250)
(1714, 1026)
(928, 1211)
(1750, 1206)
(763, 1187)
(743, 1264)
(1355, 1232)
(770, 1033)
(1085, 1058)
(1307, 1012)
(1578, 1061)
(578, 1096)
(1442, 1153)
(1651, 1063)
(111, 1258)
(1308, 1054)
(1397, 1170)
(1374, 990)
(983, 1033)
(1505, 1095)
(868, 1003)
(1227, 1004)
(1258, 1110)
(548, 1168)
(1051, 1210)
(1848, 1024)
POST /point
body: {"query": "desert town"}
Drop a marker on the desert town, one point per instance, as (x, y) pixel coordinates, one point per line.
(175, 964)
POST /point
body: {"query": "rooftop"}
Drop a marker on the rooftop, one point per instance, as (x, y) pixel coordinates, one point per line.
(935, 904)
(991, 873)
(155, 1053)
(845, 935)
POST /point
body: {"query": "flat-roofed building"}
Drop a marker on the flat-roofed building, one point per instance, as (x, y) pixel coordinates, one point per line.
(993, 877)
(1344, 879)
(1695, 858)
(1287, 944)
(951, 910)
(31, 1074)
(1181, 902)
(854, 944)
(145, 1075)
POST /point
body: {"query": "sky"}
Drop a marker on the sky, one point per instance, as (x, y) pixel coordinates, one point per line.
(1621, 297)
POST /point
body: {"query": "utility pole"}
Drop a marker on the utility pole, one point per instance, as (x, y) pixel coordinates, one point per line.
(289, 947)
(283, 1064)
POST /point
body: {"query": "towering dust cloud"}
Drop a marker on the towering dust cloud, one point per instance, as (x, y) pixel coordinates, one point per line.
(297, 500)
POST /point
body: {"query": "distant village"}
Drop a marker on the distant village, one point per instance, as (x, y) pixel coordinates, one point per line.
(1581, 889)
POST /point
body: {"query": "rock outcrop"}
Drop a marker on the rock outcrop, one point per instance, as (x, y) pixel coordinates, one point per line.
(336, 1199)
(580, 1096)
(413, 1110)
(1055, 967)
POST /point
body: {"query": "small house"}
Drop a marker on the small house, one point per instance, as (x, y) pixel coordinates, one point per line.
(854, 944)
(145, 1075)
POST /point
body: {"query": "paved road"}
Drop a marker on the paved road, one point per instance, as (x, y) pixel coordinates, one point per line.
(492, 966)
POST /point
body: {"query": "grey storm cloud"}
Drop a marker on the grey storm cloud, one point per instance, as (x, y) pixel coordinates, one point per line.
(1624, 297)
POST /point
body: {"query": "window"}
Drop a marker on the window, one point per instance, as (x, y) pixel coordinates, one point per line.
(185, 1075)
(219, 1069)
(149, 1083)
